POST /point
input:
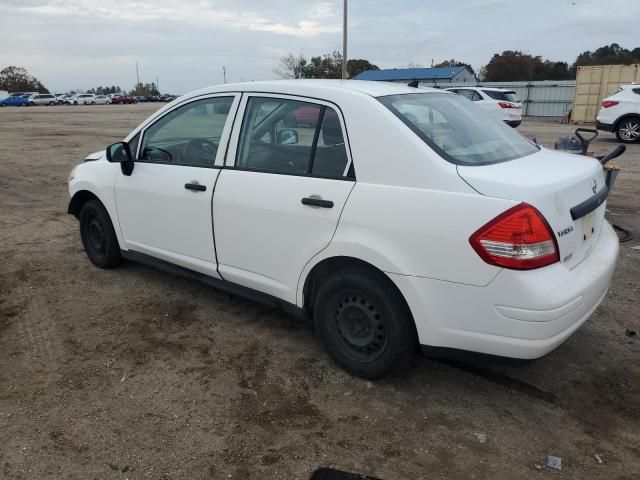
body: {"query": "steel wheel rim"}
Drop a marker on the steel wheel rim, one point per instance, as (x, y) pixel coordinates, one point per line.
(360, 327)
(96, 235)
(630, 130)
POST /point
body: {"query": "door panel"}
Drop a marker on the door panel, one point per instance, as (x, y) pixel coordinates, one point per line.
(160, 217)
(265, 235)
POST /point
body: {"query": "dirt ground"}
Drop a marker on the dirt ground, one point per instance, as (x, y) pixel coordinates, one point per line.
(135, 373)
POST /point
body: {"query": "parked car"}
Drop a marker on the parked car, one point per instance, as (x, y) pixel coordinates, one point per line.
(400, 217)
(503, 104)
(102, 100)
(42, 99)
(15, 101)
(83, 99)
(122, 99)
(301, 116)
(620, 114)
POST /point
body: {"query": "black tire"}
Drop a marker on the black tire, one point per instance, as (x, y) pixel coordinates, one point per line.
(98, 236)
(364, 323)
(628, 130)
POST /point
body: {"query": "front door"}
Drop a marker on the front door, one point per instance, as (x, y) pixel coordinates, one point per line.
(278, 201)
(164, 206)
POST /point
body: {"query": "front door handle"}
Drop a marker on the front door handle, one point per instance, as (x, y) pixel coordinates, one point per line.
(195, 186)
(317, 202)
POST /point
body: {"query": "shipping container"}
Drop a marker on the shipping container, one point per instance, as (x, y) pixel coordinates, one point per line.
(594, 83)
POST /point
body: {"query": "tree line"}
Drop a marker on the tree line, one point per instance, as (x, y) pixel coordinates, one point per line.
(324, 66)
(510, 65)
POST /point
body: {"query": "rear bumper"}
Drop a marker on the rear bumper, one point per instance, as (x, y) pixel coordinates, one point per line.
(520, 314)
(606, 127)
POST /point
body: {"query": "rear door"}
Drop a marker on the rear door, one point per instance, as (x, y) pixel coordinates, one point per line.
(278, 200)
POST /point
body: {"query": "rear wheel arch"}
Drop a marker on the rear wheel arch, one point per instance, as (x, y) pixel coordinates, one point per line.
(332, 266)
(628, 116)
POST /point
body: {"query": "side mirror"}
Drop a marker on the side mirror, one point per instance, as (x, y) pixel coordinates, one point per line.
(287, 137)
(119, 153)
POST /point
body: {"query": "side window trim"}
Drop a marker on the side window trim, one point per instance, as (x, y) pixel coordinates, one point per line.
(224, 137)
(234, 139)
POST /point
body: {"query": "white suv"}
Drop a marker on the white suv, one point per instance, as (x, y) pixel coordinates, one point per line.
(392, 216)
(503, 104)
(620, 113)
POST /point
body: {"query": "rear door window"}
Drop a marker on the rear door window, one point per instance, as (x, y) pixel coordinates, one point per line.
(291, 137)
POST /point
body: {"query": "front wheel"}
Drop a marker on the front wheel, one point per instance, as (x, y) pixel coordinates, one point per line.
(364, 323)
(98, 236)
(628, 130)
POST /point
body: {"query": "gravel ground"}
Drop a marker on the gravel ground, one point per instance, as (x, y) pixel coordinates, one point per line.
(134, 373)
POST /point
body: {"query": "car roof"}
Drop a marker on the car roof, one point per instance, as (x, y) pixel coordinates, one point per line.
(317, 88)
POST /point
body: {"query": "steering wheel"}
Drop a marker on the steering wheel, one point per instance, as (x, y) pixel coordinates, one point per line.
(200, 150)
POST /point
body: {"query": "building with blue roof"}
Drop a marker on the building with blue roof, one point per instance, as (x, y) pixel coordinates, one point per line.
(424, 76)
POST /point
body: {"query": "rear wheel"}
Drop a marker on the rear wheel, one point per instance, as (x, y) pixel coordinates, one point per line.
(98, 236)
(628, 130)
(364, 323)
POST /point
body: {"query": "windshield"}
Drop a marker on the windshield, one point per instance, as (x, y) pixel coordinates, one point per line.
(507, 96)
(457, 129)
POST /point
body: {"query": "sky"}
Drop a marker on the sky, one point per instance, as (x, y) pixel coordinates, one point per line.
(80, 44)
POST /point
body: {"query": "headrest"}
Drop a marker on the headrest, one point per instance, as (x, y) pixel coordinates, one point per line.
(331, 130)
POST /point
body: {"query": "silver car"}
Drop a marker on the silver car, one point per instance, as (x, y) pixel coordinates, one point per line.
(42, 99)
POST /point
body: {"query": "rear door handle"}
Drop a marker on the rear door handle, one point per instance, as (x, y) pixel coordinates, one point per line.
(195, 187)
(317, 202)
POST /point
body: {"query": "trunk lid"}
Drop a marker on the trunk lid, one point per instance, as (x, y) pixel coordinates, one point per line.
(554, 183)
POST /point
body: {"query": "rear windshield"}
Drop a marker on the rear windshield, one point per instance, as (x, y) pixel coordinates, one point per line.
(457, 129)
(506, 96)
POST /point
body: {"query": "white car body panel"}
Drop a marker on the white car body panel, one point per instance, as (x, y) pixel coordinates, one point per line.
(519, 314)
(159, 217)
(409, 213)
(528, 179)
(264, 235)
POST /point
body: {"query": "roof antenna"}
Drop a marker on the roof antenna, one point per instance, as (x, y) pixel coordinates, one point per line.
(414, 83)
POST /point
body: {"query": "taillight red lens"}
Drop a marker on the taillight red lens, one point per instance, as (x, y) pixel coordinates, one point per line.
(519, 238)
(506, 105)
(609, 103)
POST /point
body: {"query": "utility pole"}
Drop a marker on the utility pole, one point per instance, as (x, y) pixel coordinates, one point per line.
(137, 74)
(224, 73)
(158, 84)
(344, 41)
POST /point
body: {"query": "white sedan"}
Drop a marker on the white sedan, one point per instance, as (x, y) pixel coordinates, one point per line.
(102, 100)
(393, 217)
(83, 99)
(503, 104)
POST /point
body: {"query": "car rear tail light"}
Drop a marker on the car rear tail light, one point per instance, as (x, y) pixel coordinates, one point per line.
(519, 238)
(609, 103)
(506, 105)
